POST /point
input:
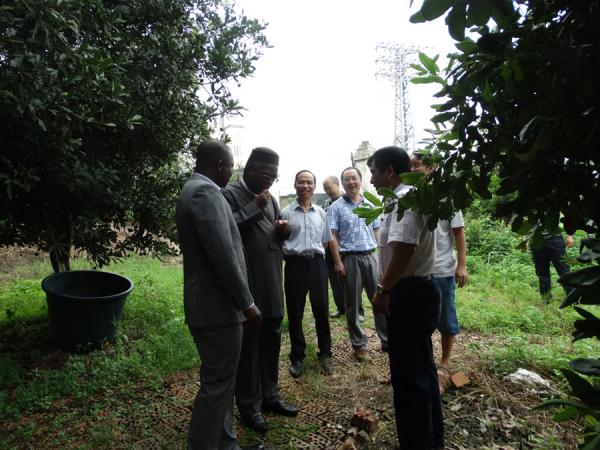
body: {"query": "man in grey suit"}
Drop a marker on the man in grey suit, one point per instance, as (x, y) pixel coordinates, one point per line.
(256, 214)
(217, 298)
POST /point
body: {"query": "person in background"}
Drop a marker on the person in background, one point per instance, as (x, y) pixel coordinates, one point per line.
(257, 215)
(217, 299)
(553, 250)
(450, 271)
(358, 266)
(306, 272)
(410, 298)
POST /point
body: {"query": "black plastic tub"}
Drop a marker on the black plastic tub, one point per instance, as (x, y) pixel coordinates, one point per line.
(84, 307)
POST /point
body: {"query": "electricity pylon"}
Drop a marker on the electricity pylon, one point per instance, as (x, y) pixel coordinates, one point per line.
(393, 63)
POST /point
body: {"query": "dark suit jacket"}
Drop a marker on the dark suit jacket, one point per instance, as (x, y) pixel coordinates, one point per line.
(214, 272)
(262, 246)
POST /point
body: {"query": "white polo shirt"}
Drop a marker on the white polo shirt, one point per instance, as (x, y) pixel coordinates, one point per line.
(410, 229)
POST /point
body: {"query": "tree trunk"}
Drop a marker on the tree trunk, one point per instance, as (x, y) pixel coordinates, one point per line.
(60, 250)
(60, 260)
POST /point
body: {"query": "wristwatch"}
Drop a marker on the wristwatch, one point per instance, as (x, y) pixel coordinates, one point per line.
(379, 289)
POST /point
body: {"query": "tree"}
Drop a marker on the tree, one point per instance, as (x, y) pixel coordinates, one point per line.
(99, 101)
(522, 105)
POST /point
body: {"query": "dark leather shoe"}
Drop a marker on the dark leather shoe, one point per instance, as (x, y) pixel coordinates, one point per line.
(256, 421)
(253, 447)
(326, 365)
(281, 407)
(296, 369)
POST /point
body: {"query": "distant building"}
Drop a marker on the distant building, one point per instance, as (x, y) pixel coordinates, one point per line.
(359, 160)
(318, 199)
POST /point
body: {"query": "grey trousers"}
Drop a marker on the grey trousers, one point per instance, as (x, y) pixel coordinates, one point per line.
(211, 427)
(362, 272)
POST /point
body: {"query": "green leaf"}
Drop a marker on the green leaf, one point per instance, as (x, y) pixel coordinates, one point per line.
(467, 46)
(558, 402)
(581, 277)
(372, 198)
(591, 243)
(432, 9)
(456, 21)
(429, 63)
(593, 444)
(387, 192)
(411, 178)
(417, 17)
(427, 80)
(566, 414)
(582, 389)
(586, 366)
(524, 228)
(479, 12)
(443, 117)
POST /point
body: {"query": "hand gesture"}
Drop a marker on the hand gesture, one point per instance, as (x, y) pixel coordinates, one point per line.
(263, 199)
(570, 241)
(381, 304)
(283, 228)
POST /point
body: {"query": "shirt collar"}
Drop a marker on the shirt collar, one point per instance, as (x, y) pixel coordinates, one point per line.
(296, 205)
(350, 201)
(208, 180)
(243, 183)
(401, 188)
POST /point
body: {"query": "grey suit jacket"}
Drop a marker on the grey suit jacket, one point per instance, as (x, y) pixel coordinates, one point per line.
(262, 247)
(215, 280)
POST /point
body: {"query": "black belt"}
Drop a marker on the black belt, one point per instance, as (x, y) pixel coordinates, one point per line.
(416, 278)
(366, 252)
(303, 257)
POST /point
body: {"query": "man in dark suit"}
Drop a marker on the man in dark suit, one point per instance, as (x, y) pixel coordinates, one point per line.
(257, 216)
(217, 299)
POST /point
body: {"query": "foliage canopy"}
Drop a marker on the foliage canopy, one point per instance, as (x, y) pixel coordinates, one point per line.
(521, 107)
(98, 102)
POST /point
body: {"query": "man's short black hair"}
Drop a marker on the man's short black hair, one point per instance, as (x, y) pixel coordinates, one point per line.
(307, 171)
(209, 152)
(391, 156)
(351, 168)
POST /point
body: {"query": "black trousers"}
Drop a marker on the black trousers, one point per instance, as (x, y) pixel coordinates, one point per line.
(415, 307)
(304, 276)
(258, 370)
(553, 250)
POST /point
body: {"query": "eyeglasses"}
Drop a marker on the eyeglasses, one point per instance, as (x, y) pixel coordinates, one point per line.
(269, 176)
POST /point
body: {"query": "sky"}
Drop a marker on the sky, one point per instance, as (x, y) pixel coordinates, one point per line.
(315, 96)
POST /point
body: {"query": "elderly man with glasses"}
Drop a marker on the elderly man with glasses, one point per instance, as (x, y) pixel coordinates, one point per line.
(259, 221)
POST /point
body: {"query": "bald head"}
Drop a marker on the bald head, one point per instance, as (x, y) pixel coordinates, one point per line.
(214, 159)
(331, 186)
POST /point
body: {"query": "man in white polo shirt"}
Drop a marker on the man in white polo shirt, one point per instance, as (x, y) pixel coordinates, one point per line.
(411, 300)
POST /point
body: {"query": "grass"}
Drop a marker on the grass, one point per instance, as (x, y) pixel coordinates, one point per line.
(500, 302)
(153, 341)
